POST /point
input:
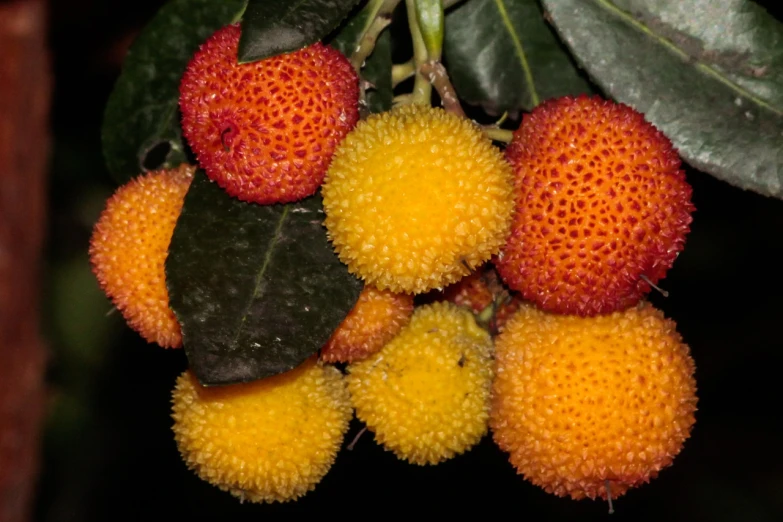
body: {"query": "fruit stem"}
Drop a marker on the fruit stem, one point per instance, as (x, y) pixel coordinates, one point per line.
(379, 17)
(240, 14)
(439, 78)
(609, 495)
(647, 280)
(498, 134)
(401, 72)
(422, 89)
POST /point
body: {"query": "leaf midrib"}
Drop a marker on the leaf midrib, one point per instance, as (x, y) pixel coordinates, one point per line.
(520, 50)
(267, 259)
(707, 69)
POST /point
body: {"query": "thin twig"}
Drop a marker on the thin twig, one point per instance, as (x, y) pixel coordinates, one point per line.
(402, 71)
(496, 134)
(369, 38)
(653, 285)
(422, 89)
(439, 78)
(350, 446)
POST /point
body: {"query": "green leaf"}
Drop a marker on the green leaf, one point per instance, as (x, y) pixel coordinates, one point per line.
(502, 55)
(707, 73)
(257, 289)
(429, 13)
(142, 114)
(272, 27)
(377, 67)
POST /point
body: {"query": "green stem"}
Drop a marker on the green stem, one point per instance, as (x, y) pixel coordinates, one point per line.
(402, 71)
(240, 14)
(498, 134)
(378, 18)
(422, 89)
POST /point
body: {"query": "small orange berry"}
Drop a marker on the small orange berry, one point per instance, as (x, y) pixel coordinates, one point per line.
(375, 319)
(128, 250)
(582, 402)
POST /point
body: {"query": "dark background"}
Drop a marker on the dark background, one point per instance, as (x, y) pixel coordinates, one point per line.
(109, 452)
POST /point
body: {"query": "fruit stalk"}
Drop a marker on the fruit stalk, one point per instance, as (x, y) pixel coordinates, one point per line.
(422, 89)
(402, 71)
(436, 73)
(380, 16)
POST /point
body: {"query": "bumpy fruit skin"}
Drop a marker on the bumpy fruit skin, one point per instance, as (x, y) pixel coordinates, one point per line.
(128, 250)
(581, 401)
(416, 198)
(375, 319)
(480, 290)
(601, 202)
(270, 440)
(265, 131)
(472, 291)
(425, 395)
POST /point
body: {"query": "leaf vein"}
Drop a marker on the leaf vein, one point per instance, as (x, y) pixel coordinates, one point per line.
(707, 69)
(260, 276)
(520, 50)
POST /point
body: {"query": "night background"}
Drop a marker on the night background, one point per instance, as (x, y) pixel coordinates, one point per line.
(108, 449)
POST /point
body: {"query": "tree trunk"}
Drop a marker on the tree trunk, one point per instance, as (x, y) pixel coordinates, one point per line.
(24, 141)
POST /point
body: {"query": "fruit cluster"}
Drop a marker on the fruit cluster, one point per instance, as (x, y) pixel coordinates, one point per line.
(528, 270)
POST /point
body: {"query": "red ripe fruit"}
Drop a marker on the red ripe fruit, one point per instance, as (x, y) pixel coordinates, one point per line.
(265, 131)
(602, 207)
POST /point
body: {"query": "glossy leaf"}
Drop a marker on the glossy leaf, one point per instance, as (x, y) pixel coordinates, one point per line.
(377, 67)
(708, 73)
(257, 289)
(502, 55)
(142, 115)
(272, 27)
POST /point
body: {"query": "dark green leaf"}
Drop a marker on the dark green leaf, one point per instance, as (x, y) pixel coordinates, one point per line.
(142, 114)
(257, 289)
(272, 27)
(377, 67)
(502, 55)
(708, 73)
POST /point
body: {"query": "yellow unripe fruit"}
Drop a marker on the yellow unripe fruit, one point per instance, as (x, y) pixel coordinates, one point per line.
(264, 441)
(426, 394)
(585, 403)
(416, 198)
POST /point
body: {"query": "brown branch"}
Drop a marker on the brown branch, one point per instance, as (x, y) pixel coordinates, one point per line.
(24, 109)
(439, 78)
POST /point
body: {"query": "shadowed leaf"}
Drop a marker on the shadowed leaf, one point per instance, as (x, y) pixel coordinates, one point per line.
(257, 288)
(502, 55)
(708, 73)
